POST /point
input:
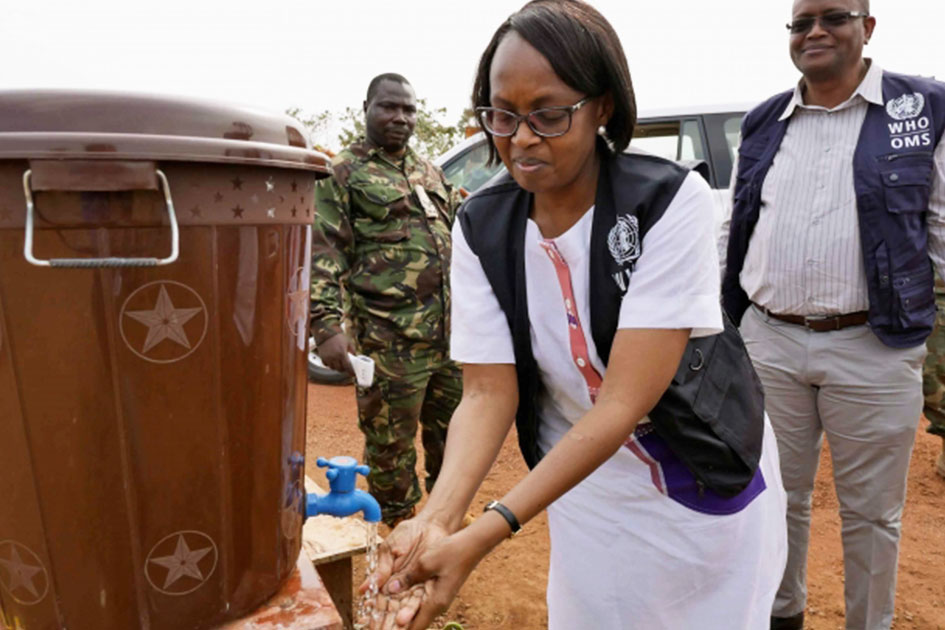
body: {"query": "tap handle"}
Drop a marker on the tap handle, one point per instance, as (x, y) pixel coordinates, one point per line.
(364, 470)
(342, 472)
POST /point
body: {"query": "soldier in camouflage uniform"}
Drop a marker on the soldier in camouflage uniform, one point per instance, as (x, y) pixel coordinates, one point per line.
(933, 375)
(382, 234)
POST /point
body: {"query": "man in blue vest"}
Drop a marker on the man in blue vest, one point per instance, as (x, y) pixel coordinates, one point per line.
(838, 217)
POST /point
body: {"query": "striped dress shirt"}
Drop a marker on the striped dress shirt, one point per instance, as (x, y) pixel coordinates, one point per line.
(805, 257)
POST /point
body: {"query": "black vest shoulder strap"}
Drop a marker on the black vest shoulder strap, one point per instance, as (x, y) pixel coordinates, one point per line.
(493, 221)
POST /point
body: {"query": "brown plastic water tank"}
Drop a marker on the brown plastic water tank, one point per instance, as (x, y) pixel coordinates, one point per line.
(151, 413)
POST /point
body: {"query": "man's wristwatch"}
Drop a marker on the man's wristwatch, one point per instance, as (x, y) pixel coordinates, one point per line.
(506, 514)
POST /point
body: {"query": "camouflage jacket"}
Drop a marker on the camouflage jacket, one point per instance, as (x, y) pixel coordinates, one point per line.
(382, 235)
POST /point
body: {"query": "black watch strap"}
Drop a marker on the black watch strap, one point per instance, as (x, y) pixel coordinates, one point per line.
(506, 514)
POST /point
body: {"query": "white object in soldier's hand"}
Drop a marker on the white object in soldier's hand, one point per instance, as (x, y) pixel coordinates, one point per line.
(363, 369)
(426, 202)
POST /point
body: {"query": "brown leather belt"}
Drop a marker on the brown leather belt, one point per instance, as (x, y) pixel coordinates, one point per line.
(819, 323)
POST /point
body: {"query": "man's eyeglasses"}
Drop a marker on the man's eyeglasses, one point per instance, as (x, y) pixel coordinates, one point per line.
(829, 21)
(547, 122)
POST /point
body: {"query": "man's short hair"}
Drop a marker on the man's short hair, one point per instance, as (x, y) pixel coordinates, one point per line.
(387, 76)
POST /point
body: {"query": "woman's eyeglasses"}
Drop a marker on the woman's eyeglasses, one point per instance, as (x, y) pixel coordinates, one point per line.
(829, 21)
(547, 122)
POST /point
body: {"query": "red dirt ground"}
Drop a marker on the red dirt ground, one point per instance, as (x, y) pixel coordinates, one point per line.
(507, 591)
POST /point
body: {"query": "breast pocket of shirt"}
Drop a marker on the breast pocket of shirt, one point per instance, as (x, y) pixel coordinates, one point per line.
(379, 213)
(441, 200)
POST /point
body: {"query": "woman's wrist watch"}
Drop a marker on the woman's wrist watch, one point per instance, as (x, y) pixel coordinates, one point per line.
(506, 513)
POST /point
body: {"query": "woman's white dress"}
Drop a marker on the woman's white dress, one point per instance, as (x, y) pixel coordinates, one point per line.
(625, 554)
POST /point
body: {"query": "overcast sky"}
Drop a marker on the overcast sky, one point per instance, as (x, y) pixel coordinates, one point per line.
(320, 54)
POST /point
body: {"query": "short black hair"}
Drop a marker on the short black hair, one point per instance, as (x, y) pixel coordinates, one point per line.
(583, 50)
(376, 82)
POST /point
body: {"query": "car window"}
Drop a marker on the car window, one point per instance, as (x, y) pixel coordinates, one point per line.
(732, 128)
(690, 148)
(671, 139)
(469, 169)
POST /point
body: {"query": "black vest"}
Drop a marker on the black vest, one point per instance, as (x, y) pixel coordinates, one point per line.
(711, 416)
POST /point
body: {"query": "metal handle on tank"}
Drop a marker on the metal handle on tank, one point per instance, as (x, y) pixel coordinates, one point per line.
(101, 262)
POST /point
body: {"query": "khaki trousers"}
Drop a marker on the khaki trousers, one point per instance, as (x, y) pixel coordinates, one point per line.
(866, 397)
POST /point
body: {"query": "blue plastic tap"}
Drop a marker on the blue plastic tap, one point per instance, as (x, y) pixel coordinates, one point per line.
(343, 499)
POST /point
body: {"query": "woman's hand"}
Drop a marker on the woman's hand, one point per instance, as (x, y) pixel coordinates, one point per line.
(401, 550)
(383, 613)
(399, 559)
(439, 571)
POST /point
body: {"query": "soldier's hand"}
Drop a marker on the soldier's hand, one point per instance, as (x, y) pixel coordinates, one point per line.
(334, 353)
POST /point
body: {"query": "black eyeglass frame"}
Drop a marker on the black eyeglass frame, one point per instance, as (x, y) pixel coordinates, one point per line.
(805, 24)
(569, 109)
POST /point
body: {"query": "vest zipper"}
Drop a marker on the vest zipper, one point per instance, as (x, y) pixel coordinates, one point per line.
(896, 156)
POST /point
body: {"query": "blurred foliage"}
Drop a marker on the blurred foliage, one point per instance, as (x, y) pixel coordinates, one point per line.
(431, 137)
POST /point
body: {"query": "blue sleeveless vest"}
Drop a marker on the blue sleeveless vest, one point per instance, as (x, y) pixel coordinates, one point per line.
(892, 173)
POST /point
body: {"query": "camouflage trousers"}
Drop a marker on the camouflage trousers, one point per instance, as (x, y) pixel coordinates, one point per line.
(404, 395)
(933, 372)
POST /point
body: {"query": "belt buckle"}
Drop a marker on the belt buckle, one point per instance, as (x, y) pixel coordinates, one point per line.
(813, 319)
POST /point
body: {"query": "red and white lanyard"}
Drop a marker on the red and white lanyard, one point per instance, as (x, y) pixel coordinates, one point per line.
(579, 351)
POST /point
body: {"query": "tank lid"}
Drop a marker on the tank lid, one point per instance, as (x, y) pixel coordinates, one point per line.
(80, 124)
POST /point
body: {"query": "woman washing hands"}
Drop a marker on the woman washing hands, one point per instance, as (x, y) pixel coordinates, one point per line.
(582, 289)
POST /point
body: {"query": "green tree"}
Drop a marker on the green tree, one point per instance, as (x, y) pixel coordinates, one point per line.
(319, 125)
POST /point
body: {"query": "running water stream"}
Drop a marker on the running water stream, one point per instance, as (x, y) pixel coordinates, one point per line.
(367, 602)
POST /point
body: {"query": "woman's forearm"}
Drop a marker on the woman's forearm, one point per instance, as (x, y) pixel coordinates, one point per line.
(642, 365)
(476, 433)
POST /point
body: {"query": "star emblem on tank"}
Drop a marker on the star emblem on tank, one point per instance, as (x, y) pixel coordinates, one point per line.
(217, 197)
(22, 574)
(195, 211)
(270, 184)
(163, 321)
(237, 183)
(181, 563)
(238, 212)
(292, 505)
(298, 301)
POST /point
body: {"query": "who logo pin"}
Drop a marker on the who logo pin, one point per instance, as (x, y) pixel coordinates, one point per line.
(624, 244)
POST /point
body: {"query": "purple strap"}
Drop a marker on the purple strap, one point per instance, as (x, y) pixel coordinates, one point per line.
(672, 478)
